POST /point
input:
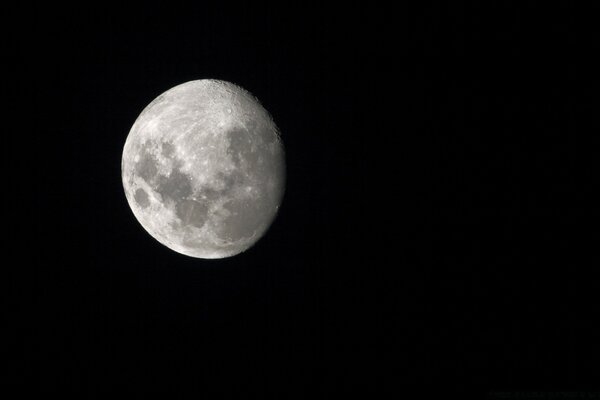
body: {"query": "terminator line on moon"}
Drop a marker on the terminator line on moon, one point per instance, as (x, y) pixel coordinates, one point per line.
(203, 169)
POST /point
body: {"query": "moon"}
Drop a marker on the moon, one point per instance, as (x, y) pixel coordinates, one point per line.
(203, 169)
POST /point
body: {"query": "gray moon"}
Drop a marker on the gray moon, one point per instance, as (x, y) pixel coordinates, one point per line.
(203, 169)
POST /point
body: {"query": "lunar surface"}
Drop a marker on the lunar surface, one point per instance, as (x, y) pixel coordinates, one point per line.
(203, 169)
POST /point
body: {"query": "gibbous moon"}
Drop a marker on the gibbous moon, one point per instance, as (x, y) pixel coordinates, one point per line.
(203, 169)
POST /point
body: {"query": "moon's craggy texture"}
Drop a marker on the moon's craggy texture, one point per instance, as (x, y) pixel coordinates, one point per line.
(203, 169)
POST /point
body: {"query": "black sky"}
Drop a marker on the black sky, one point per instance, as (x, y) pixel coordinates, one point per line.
(436, 231)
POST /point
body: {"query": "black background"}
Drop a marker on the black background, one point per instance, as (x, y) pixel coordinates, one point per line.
(436, 231)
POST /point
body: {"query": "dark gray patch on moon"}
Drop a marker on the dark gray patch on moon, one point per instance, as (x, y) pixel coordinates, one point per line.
(147, 167)
(141, 197)
(209, 194)
(243, 221)
(273, 184)
(175, 186)
(239, 145)
(192, 212)
(235, 178)
(167, 149)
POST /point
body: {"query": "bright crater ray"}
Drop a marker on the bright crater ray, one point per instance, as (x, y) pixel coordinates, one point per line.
(203, 169)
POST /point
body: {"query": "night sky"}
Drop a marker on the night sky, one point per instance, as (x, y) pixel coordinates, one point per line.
(437, 230)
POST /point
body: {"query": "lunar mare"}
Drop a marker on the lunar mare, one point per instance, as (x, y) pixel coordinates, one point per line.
(203, 169)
